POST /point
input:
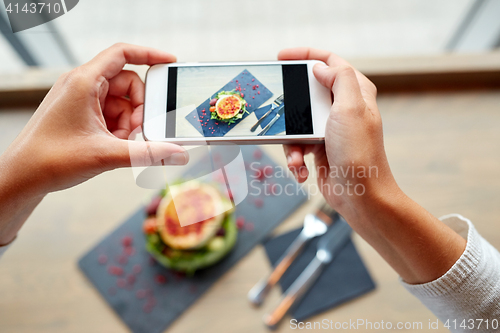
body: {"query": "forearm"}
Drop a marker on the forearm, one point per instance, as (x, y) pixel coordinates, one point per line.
(20, 193)
(416, 244)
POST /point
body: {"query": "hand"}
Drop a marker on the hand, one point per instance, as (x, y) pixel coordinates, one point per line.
(416, 244)
(79, 131)
(81, 128)
(353, 136)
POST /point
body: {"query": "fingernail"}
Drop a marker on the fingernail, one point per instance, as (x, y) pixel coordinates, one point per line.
(322, 65)
(177, 159)
(289, 159)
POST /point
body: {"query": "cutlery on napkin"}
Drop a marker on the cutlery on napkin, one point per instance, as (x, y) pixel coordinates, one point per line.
(329, 246)
(314, 225)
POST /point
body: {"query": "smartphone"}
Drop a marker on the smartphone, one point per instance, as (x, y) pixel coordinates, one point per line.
(235, 102)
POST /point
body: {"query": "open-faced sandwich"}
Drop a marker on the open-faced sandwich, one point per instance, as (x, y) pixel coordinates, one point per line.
(228, 106)
(187, 231)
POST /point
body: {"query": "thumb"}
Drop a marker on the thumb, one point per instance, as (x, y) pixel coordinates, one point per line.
(145, 153)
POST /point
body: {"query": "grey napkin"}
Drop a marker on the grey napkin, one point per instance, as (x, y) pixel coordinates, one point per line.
(345, 278)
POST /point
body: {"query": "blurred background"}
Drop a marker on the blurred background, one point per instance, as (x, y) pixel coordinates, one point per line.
(437, 68)
(256, 30)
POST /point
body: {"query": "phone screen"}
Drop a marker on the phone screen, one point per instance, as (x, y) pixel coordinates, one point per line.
(250, 100)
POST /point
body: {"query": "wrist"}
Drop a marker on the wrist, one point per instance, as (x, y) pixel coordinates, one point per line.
(414, 242)
(374, 197)
(21, 189)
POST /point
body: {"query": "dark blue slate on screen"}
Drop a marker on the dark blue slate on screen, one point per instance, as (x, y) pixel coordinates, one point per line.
(254, 98)
(178, 293)
(345, 278)
(278, 127)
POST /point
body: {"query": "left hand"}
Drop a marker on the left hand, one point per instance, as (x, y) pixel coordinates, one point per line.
(81, 128)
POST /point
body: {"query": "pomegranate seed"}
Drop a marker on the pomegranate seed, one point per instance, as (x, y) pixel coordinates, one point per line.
(152, 261)
(136, 269)
(115, 270)
(259, 203)
(257, 85)
(258, 92)
(240, 222)
(249, 226)
(253, 87)
(122, 260)
(259, 174)
(242, 95)
(103, 259)
(131, 279)
(147, 308)
(179, 275)
(274, 189)
(141, 293)
(253, 80)
(257, 154)
(129, 251)
(127, 241)
(253, 97)
(121, 283)
(151, 301)
(160, 279)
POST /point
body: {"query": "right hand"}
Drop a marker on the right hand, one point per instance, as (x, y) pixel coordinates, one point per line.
(353, 137)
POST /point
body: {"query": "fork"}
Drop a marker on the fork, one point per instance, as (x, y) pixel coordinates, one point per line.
(275, 104)
(314, 225)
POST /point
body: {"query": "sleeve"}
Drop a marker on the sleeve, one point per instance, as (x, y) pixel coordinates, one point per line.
(470, 290)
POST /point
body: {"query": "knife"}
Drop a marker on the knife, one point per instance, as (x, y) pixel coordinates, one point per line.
(281, 109)
(329, 246)
(274, 105)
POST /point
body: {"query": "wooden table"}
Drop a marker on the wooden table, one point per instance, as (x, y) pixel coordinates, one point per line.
(444, 149)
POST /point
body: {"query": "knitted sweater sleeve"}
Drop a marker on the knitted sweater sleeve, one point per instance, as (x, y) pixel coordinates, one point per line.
(470, 290)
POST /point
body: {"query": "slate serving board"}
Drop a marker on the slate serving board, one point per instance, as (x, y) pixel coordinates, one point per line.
(254, 96)
(148, 297)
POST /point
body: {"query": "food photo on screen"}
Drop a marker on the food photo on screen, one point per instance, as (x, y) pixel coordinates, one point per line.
(229, 101)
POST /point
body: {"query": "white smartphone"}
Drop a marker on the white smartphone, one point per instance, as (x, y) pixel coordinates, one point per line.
(242, 103)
